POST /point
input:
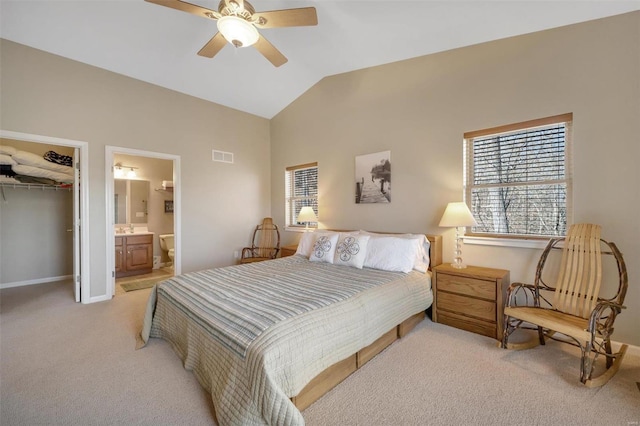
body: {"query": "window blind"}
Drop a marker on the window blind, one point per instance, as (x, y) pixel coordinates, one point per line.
(518, 182)
(301, 190)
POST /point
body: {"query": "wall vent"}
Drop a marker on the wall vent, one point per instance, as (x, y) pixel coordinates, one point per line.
(222, 157)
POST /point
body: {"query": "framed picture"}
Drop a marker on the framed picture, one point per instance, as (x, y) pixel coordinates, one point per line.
(168, 206)
(373, 178)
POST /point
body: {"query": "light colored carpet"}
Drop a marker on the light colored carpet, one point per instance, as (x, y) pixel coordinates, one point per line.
(70, 364)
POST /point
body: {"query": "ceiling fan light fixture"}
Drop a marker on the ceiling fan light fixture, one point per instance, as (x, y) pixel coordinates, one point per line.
(238, 31)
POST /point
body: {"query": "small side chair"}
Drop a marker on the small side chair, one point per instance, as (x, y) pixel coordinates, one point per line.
(265, 243)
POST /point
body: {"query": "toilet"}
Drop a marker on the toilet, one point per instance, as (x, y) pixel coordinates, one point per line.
(166, 244)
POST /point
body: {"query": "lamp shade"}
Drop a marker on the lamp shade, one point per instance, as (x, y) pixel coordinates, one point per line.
(307, 215)
(457, 214)
(238, 31)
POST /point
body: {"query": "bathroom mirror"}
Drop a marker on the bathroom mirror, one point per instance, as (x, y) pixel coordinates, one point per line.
(131, 198)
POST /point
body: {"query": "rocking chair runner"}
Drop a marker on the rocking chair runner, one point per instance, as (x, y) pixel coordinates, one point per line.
(576, 309)
(265, 243)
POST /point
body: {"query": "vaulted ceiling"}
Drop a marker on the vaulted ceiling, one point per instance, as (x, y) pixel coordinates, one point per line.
(159, 45)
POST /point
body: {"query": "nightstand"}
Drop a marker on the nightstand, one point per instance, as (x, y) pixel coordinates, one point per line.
(288, 250)
(471, 298)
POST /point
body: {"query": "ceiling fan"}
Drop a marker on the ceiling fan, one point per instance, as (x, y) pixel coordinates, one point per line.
(238, 24)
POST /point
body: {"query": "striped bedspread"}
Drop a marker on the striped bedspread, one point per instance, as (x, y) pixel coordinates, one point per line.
(236, 304)
(255, 335)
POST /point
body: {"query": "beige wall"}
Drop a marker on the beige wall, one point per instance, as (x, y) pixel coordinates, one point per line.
(49, 95)
(420, 108)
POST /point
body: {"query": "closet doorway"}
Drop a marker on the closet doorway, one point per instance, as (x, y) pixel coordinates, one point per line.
(79, 196)
(143, 218)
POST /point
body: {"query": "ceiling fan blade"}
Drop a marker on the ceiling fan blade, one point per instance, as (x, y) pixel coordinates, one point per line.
(272, 54)
(305, 16)
(213, 46)
(186, 7)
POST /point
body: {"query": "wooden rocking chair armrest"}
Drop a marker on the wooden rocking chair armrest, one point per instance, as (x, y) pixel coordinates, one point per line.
(514, 287)
(602, 317)
(529, 290)
(248, 252)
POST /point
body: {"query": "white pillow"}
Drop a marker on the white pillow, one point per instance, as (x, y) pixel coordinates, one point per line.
(351, 250)
(306, 244)
(21, 169)
(324, 247)
(392, 253)
(421, 263)
(33, 160)
(6, 159)
(8, 150)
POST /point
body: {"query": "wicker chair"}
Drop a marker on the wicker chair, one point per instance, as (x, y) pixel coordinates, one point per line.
(265, 244)
(574, 307)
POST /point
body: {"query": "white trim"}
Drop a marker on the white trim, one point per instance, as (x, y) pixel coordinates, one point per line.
(85, 284)
(35, 281)
(110, 234)
(505, 242)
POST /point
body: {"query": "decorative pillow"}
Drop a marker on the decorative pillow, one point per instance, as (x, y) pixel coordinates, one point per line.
(7, 160)
(351, 250)
(392, 253)
(305, 245)
(8, 150)
(421, 263)
(324, 248)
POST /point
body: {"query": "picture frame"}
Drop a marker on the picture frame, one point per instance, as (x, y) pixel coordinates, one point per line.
(373, 178)
(168, 206)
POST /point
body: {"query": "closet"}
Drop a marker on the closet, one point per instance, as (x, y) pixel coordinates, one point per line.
(36, 220)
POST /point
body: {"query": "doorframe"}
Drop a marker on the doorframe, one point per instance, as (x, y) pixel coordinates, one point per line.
(110, 151)
(83, 147)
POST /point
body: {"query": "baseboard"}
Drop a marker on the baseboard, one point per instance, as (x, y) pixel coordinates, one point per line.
(631, 350)
(36, 281)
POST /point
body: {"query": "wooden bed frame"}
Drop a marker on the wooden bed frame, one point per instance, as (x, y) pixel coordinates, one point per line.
(339, 371)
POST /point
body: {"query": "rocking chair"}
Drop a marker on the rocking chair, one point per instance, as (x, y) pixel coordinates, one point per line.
(265, 243)
(573, 307)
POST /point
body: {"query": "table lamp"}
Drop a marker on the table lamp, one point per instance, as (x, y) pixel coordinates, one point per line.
(458, 215)
(307, 215)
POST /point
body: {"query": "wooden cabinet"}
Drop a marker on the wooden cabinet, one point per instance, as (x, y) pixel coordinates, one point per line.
(471, 298)
(134, 255)
(288, 250)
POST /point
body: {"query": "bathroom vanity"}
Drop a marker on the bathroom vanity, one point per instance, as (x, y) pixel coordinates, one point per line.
(134, 254)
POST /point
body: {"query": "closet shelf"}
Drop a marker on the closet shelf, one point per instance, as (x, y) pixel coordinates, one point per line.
(42, 186)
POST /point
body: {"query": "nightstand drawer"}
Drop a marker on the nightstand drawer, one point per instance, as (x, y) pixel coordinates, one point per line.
(468, 286)
(469, 324)
(471, 307)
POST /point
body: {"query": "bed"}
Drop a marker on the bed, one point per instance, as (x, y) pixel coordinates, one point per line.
(268, 339)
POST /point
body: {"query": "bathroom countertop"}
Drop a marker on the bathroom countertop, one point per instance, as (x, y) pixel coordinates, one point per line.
(124, 234)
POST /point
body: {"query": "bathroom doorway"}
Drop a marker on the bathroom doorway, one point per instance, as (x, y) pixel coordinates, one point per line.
(143, 210)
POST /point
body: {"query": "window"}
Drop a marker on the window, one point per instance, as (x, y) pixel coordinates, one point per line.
(518, 178)
(301, 190)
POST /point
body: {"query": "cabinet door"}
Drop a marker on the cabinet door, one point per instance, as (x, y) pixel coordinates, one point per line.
(139, 256)
(119, 257)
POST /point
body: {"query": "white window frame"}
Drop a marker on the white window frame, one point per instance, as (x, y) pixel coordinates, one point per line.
(290, 200)
(517, 240)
